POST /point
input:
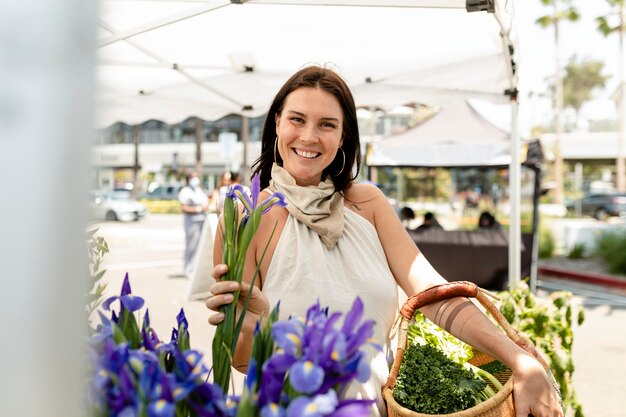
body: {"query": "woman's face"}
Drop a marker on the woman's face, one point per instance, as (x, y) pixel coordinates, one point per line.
(309, 131)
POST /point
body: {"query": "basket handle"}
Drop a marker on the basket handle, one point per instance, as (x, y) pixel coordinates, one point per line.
(469, 289)
(447, 291)
(436, 294)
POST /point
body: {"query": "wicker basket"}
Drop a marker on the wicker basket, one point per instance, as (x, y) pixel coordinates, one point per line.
(501, 404)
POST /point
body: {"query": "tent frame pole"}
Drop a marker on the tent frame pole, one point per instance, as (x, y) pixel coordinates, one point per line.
(514, 199)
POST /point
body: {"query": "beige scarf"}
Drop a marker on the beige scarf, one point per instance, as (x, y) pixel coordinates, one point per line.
(319, 207)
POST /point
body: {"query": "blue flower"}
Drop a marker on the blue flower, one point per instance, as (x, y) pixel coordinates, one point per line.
(272, 410)
(287, 335)
(250, 202)
(103, 331)
(134, 374)
(318, 406)
(161, 408)
(306, 377)
(353, 408)
(127, 300)
(299, 368)
(182, 320)
(273, 376)
(303, 407)
(276, 199)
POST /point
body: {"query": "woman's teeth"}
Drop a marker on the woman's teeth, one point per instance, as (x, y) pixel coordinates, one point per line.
(305, 154)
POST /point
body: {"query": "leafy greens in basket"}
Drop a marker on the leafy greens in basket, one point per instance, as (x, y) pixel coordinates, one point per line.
(435, 376)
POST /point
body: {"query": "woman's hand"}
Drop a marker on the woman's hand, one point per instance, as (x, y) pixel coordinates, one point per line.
(533, 391)
(221, 291)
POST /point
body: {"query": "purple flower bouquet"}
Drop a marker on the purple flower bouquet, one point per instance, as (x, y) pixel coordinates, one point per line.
(299, 367)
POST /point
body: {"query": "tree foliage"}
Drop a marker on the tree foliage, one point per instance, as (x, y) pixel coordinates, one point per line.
(612, 22)
(563, 10)
(580, 79)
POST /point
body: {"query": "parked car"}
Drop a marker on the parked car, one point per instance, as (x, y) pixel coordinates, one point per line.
(163, 192)
(601, 206)
(115, 205)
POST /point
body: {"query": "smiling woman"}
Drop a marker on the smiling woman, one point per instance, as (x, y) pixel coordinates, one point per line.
(309, 134)
(337, 239)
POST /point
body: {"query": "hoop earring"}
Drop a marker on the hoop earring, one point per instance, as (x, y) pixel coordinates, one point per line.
(275, 146)
(343, 164)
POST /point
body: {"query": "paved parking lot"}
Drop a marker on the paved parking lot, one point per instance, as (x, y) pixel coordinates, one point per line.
(151, 252)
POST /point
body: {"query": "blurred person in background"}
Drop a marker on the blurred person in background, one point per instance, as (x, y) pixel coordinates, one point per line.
(194, 204)
(407, 215)
(486, 221)
(430, 222)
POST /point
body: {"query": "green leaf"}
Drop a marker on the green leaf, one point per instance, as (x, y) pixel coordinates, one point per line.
(118, 335)
(99, 275)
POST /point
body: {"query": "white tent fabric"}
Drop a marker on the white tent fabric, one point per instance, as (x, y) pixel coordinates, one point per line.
(457, 136)
(169, 60)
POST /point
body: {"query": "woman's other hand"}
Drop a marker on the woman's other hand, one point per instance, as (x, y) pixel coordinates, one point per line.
(533, 391)
(222, 294)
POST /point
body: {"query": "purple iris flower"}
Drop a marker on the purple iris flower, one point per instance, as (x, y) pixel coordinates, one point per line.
(356, 408)
(318, 406)
(161, 408)
(209, 401)
(363, 371)
(182, 320)
(288, 335)
(353, 316)
(146, 320)
(273, 377)
(272, 410)
(275, 198)
(103, 331)
(150, 339)
(128, 301)
(250, 201)
(303, 407)
(252, 375)
(306, 377)
(362, 334)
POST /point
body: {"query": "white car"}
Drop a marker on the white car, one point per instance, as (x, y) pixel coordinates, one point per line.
(115, 205)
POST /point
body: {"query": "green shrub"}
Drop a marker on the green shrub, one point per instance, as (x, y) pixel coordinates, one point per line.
(97, 247)
(546, 242)
(549, 324)
(577, 252)
(611, 247)
(162, 206)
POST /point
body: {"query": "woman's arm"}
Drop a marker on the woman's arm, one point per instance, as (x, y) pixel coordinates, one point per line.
(459, 316)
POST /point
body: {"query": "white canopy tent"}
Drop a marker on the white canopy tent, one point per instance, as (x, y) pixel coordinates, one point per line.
(457, 136)
(169, 60)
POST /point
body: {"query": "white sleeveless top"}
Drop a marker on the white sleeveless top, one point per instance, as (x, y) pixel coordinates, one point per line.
(303, 271)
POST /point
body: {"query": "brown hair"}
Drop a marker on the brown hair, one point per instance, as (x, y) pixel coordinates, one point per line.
(331, 82)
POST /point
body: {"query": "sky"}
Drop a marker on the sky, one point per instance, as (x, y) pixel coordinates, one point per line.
(536, 59)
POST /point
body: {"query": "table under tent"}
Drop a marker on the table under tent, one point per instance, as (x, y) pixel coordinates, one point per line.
(458, 137)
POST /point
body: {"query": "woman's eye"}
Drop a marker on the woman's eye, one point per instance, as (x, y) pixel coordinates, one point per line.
(297, 119)
(328, 125)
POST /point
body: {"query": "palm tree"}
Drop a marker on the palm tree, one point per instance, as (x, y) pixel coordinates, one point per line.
(561, 10)
(613, 22)
(580, 78)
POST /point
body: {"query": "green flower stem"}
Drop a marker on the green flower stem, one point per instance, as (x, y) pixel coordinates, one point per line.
(237, 237)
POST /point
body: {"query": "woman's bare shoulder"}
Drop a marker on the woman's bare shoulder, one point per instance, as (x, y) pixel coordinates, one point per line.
(365, 200)
(365, 194)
